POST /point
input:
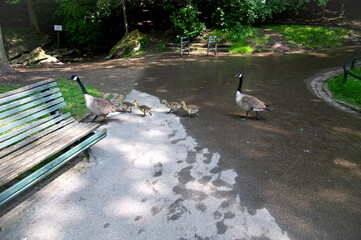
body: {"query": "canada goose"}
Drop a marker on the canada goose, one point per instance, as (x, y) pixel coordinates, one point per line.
(126, 105)
(248, 102)
(190, 109)
(143, 108)
(98, 106)
(173, 106)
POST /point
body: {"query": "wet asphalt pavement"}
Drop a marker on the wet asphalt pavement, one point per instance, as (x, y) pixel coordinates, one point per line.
(301, 161)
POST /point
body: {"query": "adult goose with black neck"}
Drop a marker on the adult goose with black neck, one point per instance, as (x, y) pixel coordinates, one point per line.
(247, 102)
(98, 106)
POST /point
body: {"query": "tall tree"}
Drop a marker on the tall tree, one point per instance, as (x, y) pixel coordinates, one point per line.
(4, 63)
(125, 18)
(32, 16)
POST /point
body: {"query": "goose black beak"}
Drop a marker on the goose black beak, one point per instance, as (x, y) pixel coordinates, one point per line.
(238, 75)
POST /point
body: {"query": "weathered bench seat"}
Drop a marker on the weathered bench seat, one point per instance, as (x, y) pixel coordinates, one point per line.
(32, 129)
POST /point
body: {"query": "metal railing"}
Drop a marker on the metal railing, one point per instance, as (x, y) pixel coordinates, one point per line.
(212, 40)
(347, 72)
(184, 40)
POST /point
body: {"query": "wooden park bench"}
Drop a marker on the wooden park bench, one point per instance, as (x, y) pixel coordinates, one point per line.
(32, 130)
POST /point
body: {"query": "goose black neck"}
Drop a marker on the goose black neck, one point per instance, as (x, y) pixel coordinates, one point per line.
(82, 86)
(240, 84)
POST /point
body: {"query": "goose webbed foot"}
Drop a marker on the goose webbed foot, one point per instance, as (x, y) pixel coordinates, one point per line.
(150, 114)
(245, 117)
(257, 116)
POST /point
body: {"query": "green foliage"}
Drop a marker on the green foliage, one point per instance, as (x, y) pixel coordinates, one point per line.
(81, 24)
(186, 22)
(144, 42)
(241, 48)
(243, 37)
(82, 32)
(312, 36)
(350, 91)
(231, 13)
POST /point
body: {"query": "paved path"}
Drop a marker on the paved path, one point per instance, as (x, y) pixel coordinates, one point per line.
(150, 181)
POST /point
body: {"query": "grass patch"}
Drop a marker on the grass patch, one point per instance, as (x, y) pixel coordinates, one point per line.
(8, 87)
(350, 91)
(312, 36)
(243, 38)
(241, 48)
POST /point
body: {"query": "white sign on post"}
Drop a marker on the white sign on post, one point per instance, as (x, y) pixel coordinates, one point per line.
(58, 28)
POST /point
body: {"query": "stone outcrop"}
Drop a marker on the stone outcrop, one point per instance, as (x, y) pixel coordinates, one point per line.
(17, 51)
(130, 43)
(38, 56)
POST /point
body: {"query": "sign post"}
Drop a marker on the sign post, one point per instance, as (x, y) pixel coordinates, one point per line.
(58, 28)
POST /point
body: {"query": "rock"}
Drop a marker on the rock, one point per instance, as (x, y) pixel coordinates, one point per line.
(17, 51)
(130, 43)
(21, 60)
(37, 55)
(60, 52)
(49, 60)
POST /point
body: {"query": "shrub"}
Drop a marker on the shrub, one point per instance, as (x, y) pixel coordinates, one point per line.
(186, 22)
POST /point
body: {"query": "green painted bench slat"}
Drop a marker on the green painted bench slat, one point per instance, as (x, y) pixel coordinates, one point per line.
(29, 118)
(32, 129)
(49, 100)
(31, 111)
(36, 139)
(23, 92)
(22, 89)
(36, 154)
(50, 167)
(28, 99)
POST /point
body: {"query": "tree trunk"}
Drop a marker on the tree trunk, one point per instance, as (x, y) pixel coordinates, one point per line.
(32, 16)
(125, 18)
(342, 6)
(4, 63)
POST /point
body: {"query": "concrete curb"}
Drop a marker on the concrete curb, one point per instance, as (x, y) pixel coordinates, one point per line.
(320, 89)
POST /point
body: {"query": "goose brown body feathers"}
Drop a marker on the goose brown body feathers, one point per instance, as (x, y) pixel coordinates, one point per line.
(248, 102)
(98, 106)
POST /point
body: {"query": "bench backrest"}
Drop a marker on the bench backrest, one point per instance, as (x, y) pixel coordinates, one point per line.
(28, 114)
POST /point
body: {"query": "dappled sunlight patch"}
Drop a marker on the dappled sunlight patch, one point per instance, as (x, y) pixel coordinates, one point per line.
(347, 131)
(353, 167)
(126, 207)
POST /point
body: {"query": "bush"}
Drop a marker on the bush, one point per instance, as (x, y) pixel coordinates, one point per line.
(186, 22)
(82, 32)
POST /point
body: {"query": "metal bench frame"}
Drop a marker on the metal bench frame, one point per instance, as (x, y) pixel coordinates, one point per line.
(184, 40)
(32, 129)
(212, 40)
(348, 71)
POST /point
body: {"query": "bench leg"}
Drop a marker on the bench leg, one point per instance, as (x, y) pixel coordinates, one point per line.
(89, 155)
